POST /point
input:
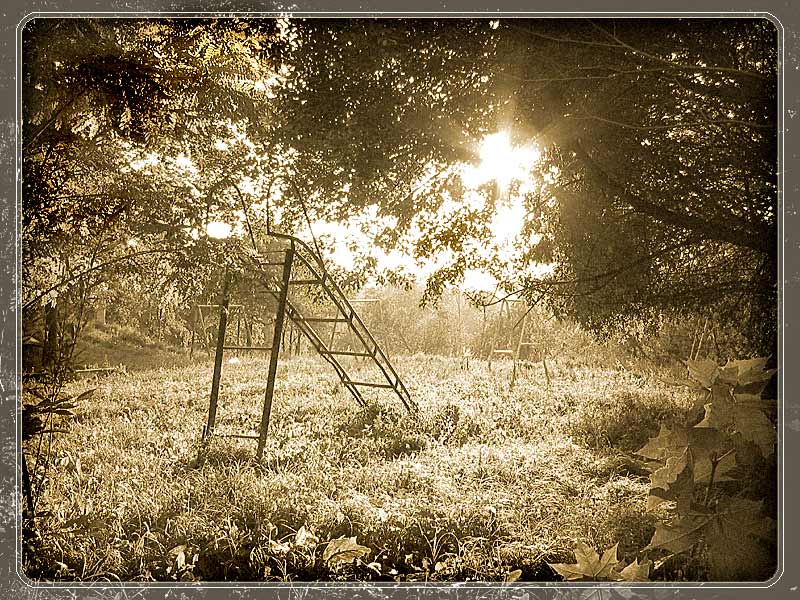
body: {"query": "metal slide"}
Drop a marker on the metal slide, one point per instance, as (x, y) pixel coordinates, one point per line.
(293, 275)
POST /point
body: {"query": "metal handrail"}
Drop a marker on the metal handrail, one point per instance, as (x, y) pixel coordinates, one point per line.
(314, 263)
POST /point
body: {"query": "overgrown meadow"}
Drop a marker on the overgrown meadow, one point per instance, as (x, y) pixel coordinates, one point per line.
(491, 482)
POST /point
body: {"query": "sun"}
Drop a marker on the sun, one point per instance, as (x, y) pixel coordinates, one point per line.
(501, 161)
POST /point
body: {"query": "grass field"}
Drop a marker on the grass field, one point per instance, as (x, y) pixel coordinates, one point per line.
(491, 479)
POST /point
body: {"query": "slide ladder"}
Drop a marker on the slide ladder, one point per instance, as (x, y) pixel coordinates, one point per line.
(292, 275)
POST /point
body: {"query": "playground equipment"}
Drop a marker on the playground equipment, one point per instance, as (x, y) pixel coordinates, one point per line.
(513, 349)
(292, 276)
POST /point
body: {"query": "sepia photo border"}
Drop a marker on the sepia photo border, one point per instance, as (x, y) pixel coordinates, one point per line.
(786, 582)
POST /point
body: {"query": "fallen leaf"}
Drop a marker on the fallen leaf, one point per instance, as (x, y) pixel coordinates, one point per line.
(589, 565)
(343, 550)
(305, 538)
(636, 571)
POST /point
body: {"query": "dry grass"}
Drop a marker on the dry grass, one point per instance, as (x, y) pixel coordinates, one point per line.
(490, 479)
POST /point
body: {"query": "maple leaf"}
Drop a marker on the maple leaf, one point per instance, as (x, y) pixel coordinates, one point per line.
(707, 444)
(680, 534)
(673, 481)
(343, 550)
(666, 444)
(705, 372)
(747, 376)
(702, 441)
(747, 453)
(718, 415)
(747, 419)
(589, 565)
(755, 401)
(731, 534)
(636, 571)
(755, 426)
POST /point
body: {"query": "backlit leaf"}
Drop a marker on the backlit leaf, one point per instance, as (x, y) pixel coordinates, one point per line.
(304, 538)
(674, 481)
(747, 376)
(718, 414)
(754, 426)
(701, 441)
(588, 565)
(667, 443)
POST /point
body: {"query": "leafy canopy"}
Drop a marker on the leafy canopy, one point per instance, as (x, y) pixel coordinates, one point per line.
(655, 191)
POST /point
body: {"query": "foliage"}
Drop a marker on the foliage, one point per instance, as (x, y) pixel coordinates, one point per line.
(592, 567)
(41, 420)
(656, 115)
(118, 117)
(648, 205)
(342, 551)
(138, 133)
(735, 438)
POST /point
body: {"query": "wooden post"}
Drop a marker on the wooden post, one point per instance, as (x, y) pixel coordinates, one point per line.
(277, 335)
(223, 325)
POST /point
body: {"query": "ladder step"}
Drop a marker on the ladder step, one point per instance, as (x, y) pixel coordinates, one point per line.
(369, 384)
(325, 320)
(345, 353)
(305, 281)
(503, 351)
(235, 435)
(265, 348)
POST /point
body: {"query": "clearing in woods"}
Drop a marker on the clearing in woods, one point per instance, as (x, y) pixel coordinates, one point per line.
(490, 483)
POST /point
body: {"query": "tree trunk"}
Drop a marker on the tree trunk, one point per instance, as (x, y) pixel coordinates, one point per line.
(50, 344)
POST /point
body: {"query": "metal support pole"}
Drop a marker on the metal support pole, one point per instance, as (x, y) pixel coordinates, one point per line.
(277, 334)
(223, 325)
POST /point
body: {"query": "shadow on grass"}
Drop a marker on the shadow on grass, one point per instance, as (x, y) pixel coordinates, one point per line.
(624, 421)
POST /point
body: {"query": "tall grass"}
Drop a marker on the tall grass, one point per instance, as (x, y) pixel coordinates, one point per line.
(491, 477)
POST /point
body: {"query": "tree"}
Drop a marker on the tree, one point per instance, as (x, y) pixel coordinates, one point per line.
(117, 117)
(660, 185)
(657, 187)
(667, 181)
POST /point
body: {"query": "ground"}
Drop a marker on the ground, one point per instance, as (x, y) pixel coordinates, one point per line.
(493, 480)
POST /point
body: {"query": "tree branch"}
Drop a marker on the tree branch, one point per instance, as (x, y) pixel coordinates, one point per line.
(735, 237)
(677, 65)
(30, 303)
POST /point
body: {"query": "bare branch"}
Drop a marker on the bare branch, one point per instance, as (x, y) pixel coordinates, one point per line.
(674, 64)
